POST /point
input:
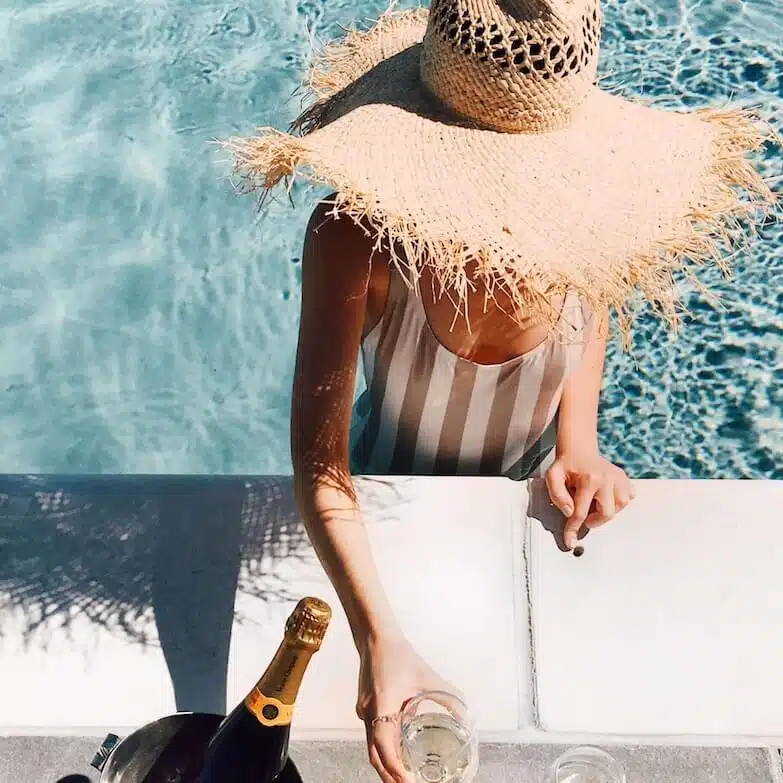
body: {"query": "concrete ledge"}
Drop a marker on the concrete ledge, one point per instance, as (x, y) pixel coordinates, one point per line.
(123, 599)
(61, 760)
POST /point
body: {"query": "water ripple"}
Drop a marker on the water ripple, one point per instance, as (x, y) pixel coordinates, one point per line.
(149, 320)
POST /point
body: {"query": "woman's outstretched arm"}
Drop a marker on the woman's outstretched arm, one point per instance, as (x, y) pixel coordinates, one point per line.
(335, 273)
(335, 277)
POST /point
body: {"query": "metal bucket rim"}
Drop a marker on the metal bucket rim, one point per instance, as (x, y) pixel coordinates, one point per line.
(107, 750)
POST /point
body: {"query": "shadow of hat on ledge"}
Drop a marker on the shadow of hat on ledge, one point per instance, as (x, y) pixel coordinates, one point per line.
(127, 551)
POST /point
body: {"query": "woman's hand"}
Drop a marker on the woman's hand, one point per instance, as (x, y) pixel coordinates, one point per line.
(588, 490)
(391, 673)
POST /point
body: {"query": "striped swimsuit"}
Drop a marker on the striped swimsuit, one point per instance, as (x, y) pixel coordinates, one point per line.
(427, 411)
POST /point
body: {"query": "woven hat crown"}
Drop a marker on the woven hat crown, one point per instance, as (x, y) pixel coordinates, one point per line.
(512, 65)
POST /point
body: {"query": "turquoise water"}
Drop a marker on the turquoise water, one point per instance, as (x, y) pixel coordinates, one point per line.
(149, 318)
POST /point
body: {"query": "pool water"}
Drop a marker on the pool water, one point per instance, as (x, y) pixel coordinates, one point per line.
(148, 319)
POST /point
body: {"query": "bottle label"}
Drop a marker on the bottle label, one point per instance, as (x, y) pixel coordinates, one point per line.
(269, 711)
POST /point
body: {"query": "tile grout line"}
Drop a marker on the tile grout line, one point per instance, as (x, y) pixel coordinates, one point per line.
(517, 564)
(533, 703)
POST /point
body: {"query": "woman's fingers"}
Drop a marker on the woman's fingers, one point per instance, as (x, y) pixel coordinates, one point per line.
(377, 748)
(598, 497)
(604, 506)
(386, 741)
(610, 500)
(583, 498)
(622, 497)
(377, 765)
(558, 492)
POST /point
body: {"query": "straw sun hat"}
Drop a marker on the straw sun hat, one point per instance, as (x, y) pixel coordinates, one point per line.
(476, 132)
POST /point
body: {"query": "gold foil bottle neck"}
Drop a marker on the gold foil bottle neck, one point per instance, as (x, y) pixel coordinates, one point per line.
(308, 622)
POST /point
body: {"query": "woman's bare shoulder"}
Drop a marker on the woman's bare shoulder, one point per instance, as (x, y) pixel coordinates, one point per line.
(337, 242)
(336, 253)
(338, 230)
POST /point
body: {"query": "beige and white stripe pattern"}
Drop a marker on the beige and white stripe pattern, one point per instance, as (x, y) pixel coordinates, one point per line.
(427, 411)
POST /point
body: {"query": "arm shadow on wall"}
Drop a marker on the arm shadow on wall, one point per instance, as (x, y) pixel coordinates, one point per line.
(128, 551)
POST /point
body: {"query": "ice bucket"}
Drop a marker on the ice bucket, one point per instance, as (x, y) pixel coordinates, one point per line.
(168, 750)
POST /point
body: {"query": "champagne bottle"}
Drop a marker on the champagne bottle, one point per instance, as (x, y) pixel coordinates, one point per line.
(251, 744)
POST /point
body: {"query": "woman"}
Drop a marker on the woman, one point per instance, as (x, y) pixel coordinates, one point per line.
(490, 206)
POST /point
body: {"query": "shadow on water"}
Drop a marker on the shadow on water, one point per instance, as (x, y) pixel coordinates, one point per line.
(128, 551)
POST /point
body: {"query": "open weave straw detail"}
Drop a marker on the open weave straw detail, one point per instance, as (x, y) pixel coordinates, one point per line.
(545, 54)
(525, 72)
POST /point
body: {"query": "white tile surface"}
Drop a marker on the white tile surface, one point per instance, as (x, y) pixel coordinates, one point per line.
(668, 626)
(672, 620)
(444, 549)
(86, 677)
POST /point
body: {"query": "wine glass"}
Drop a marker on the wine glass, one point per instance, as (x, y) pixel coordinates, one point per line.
(586, 765)
(438, 739)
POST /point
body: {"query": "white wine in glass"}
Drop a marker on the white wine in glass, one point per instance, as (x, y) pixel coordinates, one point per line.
(438, 739)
